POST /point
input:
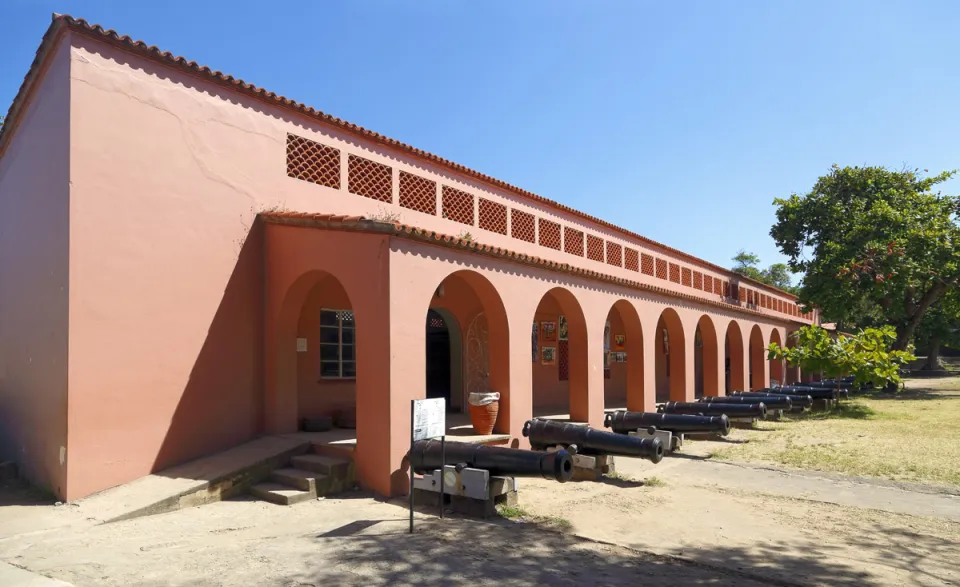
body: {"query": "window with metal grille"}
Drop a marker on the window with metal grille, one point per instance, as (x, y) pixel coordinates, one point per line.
(338, 358)
(572, 241)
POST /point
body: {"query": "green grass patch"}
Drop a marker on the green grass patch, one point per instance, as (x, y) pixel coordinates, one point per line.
(521, 515)
(654, 482)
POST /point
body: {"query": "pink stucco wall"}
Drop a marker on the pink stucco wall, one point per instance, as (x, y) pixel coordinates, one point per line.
(175, 295)
(35, 269)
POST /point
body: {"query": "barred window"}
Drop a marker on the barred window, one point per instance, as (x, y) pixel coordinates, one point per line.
(338, 358)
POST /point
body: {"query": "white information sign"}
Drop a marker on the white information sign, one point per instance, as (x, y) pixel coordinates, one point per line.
(429, 418)
(301, 345)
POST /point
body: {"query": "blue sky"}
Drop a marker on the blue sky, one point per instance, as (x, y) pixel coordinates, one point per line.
(678, 120)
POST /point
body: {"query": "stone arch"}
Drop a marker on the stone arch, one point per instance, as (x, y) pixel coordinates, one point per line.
(624, 384)
(736, 379)
(777, 368)
(706, 358)
(471, 301)
(560, 370)
(757, 357)
(300, 365)
(670, 356)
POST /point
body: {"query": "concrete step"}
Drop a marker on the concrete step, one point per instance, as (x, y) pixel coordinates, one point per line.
(334, 466)
(299, 479)
(343, 450)
(280, 494)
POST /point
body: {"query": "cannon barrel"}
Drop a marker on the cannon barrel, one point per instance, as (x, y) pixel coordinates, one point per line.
(814, 392)
(589, 441)
(508, 462)
(756, 410)
(622, 422)
(773, 402)
(799, 401)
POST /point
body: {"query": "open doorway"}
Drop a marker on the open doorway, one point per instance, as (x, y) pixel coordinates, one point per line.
(444, 359)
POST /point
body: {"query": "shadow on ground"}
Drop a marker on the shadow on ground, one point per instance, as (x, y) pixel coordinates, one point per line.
(472, 553)
(19, 492)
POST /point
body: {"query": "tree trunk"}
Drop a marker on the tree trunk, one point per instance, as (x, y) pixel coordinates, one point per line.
(905, 332)
(933, 355)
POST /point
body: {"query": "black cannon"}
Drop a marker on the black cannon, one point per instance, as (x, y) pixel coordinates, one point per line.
(757, 410)
(623, 422)
(814, 392)
(508, 462)
(829, 384)
(799, 401)
(547, 433)
(773, 402)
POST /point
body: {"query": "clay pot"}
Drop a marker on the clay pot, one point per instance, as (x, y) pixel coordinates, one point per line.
(484, 417)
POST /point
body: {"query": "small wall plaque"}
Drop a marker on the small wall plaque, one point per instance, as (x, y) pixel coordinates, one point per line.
(301, 345)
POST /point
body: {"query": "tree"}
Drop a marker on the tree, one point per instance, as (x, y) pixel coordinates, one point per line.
(866, 355)
(873, 244)
(940, 327)
(776, 275)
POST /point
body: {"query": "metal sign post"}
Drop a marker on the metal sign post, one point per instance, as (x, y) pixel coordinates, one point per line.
(428, 420)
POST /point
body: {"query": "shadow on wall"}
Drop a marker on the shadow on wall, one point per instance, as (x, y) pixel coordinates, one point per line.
(221, 405)
(474, 553)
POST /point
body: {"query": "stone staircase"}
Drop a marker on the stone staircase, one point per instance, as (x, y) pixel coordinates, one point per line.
(308, 476)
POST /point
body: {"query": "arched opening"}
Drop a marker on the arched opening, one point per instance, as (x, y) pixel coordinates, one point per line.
(560, 356)
(733, 359)
(445, 358)
(705, 349)
(623, 358)
(318, 367)
(757, 356)
(777, 368)
(467, 340)
(670, 358)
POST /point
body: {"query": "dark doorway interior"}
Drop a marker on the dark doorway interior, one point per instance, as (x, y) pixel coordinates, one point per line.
(438, 357)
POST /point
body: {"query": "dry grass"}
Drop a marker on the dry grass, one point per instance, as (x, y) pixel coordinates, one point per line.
(913, 436)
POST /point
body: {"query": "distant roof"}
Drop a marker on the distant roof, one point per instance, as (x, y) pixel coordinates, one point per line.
(61, 22)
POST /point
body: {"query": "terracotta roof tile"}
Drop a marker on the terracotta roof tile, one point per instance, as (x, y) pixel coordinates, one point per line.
(361, 224)
(62, 22)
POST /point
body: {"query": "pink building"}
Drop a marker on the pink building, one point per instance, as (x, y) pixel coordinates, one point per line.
(189, 262)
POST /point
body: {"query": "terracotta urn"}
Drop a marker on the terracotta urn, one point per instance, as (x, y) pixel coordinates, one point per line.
(483, 411)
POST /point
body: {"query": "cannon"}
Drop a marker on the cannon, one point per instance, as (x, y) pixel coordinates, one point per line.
(799, 401)
(623, 422)
(773, 402)
(830, 384)
(425, 456)
(756, 410)
(814, 392)
(588, 441)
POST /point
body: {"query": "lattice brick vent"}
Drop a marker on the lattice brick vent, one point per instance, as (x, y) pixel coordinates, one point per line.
(563, 360)
(661, 269)
(743, 294)
(708, 283)
(549, 233)
(631, 259)
(457, 205)
(687, 276)
(493, 216)
(573, 241)
(594, 248)
(614, 254)
(521, 226)
(674, 273)
(717, 286)
(370, 179)
(780, 306)
(646, 264)
(418, 193)
(312, 161)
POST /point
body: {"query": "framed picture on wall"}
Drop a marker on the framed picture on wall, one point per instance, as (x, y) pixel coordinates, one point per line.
(563, 327)
(548, 330)
(549, 355)
(534, 342)
(619, 340)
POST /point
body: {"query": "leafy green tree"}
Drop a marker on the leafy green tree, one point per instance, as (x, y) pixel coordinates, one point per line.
(874, 245)
(777, 275)
(940, 327)
(866, 355)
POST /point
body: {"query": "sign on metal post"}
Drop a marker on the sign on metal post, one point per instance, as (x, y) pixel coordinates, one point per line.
(428, 419)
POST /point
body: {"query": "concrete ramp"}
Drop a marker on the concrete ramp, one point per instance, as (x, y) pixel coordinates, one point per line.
(205, 480)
